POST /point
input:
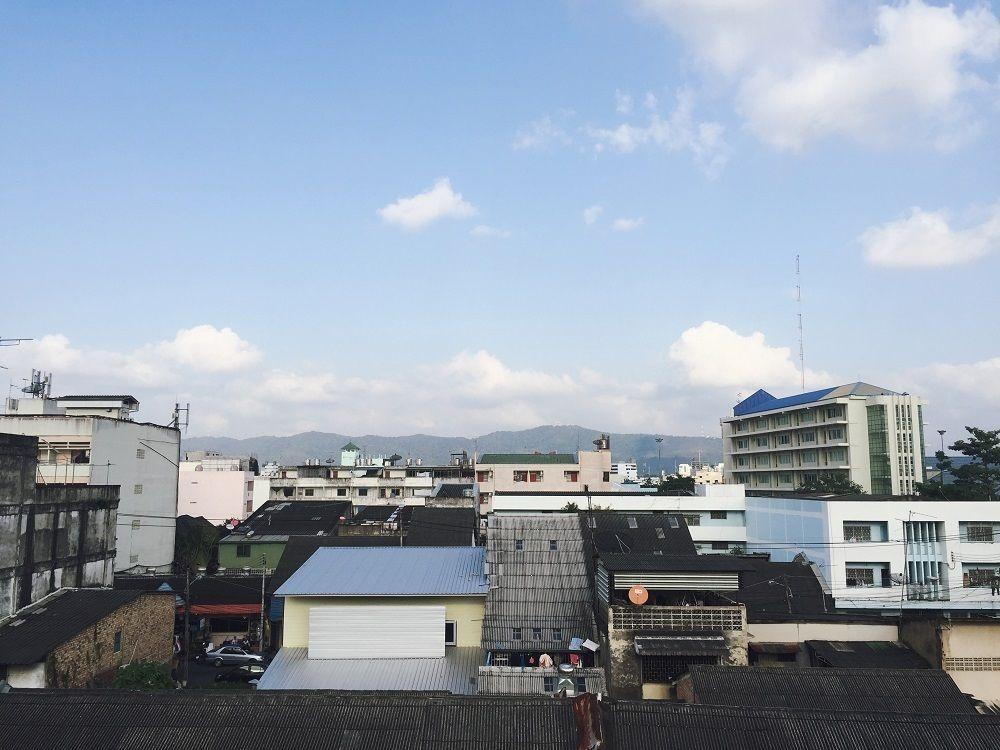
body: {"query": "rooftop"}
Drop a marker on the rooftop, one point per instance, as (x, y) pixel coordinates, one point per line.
(610, 531)
(441, 527)
(30, 635)
(764, 401)
(285, 518)
(673, 563)
(390, 571)
(455, 673)
(865, 654)
(919, 691)
(120, 397)
(782, 592)
(527, 458)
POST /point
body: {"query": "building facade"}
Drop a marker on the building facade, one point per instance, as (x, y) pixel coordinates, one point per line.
(215, 487)
(92, 440)
(869, 435)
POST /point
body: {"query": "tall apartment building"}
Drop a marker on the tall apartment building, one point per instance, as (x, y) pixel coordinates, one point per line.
(215, 487)
(93, 440)
(544, 472)
(869, 435)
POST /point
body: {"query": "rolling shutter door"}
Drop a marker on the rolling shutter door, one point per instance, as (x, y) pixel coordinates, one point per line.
(376, 632)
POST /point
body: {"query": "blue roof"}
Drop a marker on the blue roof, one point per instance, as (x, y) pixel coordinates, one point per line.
(390, 571)
(764, 401)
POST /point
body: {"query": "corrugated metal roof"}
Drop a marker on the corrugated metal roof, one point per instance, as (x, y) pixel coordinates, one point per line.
(926, 691)
(764, 401)
(389, 571)
(867, 654)
(531, 680)
(292, 669)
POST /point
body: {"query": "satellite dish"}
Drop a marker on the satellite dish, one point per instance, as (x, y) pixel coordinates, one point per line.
(638, 595)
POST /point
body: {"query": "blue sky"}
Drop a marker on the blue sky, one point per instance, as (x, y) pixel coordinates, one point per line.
(201, 194)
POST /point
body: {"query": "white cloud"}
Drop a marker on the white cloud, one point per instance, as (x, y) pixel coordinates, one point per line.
(437, 202)
(210, 349)
(676, 132)
(715, 356)
(802, 72)
(591, 214)
(623, 103)
(484, 230)
(627, 225)
(540, 134)
(925, 239)
(650, 102)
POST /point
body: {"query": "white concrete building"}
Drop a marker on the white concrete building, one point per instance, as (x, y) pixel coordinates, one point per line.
(625, 471)
(214, 486)
(869, 435)
(715, 515)
(94, 440)
(886, 554)
(563, 473)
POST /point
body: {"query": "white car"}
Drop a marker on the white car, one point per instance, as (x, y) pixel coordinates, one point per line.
(231, 655)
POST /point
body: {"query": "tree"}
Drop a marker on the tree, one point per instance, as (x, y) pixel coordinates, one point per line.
(832, 484)
(143, 675)
(193, 543)
(674, 485)
(571, 507)
(979, 479)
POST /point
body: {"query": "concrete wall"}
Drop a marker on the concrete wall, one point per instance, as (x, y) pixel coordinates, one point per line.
(798, 632)
(216, 495)
(466, 611)
(969, 651)
(26, 676)
(89, 658)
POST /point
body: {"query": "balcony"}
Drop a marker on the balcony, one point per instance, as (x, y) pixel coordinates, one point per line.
(64, 473)
(709, 619)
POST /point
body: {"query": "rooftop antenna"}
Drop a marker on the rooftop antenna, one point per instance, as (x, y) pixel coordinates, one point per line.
(10, 342)
(40, 385)
(181, 416)
(798, 304)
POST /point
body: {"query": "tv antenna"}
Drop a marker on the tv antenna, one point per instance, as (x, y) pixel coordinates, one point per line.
(798, 305)
(181, 417)
(40, 385)
(10, 342)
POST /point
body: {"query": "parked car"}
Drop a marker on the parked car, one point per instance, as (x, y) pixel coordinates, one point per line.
(248, 673)
(231, 655)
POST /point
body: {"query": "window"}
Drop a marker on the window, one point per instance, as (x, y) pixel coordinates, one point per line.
(520, 476)
(133, 558)
(977, 531)
(860, 577)
(980, 575)
(449, 633)
(536, 634)
(836, 455)
(720, 546)
(363, 492)
(308, 492)
(632, 523)
(741, 444)
(341, 492)
(762, 423)
(519, 545)
(243, 550)
(557, 634)
(553, 545)
(832, 412)
(784, 439)
(118, 640)
(784, 477)
(692, 519)
(571, 476)
(808, 457)
(483, 476)
(762, 442)
(136, 523)
(854, 532)
(807, 417)
(549, 684)
(536, 476)
(783, 419)
(516, 634)
(606, 476)
(834, 433)
(660, 534)
(719, 515)
(140, 452)
(809, 437)
(137, 490)
(785, 459)
(762, 461)
(581, 685)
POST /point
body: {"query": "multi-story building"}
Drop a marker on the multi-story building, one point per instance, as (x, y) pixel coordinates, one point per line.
(588, 471)
(869, 435)
(93, 440)
(215, 487)
(625, 471)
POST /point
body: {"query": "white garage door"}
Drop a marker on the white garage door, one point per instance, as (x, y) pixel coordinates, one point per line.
(376, 632)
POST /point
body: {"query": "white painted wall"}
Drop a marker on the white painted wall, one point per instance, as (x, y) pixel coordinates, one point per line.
(26, 676)
(216, 495)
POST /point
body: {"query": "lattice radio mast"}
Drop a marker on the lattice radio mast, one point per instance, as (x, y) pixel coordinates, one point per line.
(798, 305)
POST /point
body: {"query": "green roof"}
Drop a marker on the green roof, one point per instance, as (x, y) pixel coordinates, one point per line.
(527, 458)
(350, 447)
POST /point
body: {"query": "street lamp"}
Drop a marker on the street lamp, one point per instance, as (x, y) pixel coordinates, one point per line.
(187, 617)
(659, 463)
(941, 471)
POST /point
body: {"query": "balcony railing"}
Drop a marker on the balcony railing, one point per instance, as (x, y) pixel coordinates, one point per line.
(64, 473)
(714, 619)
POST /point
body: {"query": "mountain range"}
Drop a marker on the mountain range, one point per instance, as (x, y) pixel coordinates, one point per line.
(435, 449)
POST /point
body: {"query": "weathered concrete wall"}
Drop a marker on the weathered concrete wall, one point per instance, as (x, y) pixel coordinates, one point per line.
(89, 659)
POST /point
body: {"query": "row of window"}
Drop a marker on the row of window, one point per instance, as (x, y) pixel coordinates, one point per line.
(519, 545)
(536, 634)
(805, 416)
(764, 460)
(833, 435)
(877, 531)
(359, 492)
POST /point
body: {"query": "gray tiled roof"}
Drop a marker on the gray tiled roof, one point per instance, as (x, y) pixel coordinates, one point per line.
(292, 669)
(389, 571)
(531, 680)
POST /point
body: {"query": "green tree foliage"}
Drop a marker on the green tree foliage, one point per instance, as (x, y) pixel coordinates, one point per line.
(143, 675)
(674, 485)
(832, 484)
(571, 507)
(979, 479)
(193, 544)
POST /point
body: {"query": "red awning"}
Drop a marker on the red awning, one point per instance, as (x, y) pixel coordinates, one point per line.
(222, 610)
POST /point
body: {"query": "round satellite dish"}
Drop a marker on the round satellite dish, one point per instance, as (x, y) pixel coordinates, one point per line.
(638, 595)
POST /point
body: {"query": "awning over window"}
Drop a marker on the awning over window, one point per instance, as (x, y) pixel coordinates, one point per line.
(680, 645)
(222, 610)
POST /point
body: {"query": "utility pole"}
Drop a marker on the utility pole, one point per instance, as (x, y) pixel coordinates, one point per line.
(659, 461)
(941, 471)
(263, 571)
(187, 622)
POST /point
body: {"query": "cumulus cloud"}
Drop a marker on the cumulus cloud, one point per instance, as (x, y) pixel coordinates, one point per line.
(926, 239)
(437, 202)
(678, 131)
(210, 349)
(485, 230)
(627, 225)
(715, 356)
(540, 134)
(623, 103)
(802, 73)
(591, 214)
